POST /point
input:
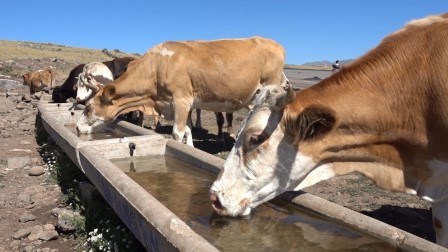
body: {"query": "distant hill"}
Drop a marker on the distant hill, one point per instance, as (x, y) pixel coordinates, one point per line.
(20, 57)
(326, 62)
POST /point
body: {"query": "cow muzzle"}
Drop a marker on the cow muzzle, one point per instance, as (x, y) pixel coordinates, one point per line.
(222, 208)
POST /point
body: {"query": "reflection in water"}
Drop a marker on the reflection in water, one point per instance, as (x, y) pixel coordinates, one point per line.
(108, 133)
(274, 226)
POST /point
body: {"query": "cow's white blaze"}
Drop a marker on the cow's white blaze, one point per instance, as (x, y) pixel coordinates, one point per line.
(90, 124)
(263, 164)
(82, 92)
(87, 125)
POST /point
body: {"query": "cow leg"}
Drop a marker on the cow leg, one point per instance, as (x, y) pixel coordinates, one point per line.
(190, 119)
(198, 119)
(157, 124)
(220, 122)
(140, 119)
(229, 119)
(180, 128)
(440, 221)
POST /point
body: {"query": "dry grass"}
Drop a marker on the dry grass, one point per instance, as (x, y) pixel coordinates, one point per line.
(18, 50)
(39, 55)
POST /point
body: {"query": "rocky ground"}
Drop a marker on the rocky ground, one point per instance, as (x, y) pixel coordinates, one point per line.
(32, 216)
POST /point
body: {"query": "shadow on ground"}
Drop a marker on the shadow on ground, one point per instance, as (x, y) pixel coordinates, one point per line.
(204, 140)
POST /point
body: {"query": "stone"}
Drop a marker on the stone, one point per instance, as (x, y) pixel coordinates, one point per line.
(21, 150)
(21, 233)
(36, 233)
(66, 223)
(36, 171)
(27, 217)
(23, 199)
(47, 227)
(49, 235)
(23, 105)
(26, 98)
(18, 162)
(28, 249)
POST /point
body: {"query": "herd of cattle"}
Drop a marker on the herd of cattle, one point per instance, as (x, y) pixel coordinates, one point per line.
(385, 115)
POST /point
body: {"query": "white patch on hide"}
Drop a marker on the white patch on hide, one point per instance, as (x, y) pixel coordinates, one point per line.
(321, 173)
(163, 51)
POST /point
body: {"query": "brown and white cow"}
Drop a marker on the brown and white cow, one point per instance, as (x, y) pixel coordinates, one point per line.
(176, 77)
(385, 116)
(39, 80)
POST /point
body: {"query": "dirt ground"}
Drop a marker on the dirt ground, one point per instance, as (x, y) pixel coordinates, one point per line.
(17, 139)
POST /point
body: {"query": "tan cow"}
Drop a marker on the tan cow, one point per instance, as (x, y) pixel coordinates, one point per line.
(385, 116)
(39, 80)
(176, 77)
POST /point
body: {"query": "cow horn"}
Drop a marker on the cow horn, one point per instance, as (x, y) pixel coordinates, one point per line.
(90, 82)
(288, 97)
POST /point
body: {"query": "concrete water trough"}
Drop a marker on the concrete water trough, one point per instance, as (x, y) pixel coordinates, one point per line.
(158, 187)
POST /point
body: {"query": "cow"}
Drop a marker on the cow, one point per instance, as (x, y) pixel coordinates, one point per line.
(382, 115)
(173, 78)
(102, 74)
(65, 91)
(97, 70)
(39, 80)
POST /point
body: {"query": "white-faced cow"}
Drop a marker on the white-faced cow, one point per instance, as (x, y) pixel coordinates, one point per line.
(65, 91)
(385, 116)
(39, 80)
(97, 70)
(176, 77)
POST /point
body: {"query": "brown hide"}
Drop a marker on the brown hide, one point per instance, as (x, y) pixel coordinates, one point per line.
(389, 109)
(180, 73)
(39, 80)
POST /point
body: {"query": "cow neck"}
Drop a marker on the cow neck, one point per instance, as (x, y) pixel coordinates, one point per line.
(136, 84)
(135, 89)
(378, 122)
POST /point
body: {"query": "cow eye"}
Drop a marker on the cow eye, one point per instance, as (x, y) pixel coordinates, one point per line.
(256, 139)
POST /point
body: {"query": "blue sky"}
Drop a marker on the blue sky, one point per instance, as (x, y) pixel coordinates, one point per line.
(310, 30)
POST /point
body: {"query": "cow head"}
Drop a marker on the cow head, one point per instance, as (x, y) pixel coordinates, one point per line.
(26, 79)
(84, 88)
(93, 117)
(267, 158)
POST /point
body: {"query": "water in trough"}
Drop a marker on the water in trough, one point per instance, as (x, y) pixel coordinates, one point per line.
(106, 134)
(274, 226)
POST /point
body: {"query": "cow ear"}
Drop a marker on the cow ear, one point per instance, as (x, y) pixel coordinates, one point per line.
(108, 94)
(275, 97)
(26, 77)
(312, 123)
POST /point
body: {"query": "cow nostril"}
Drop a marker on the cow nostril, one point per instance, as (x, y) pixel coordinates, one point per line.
(215, 202)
